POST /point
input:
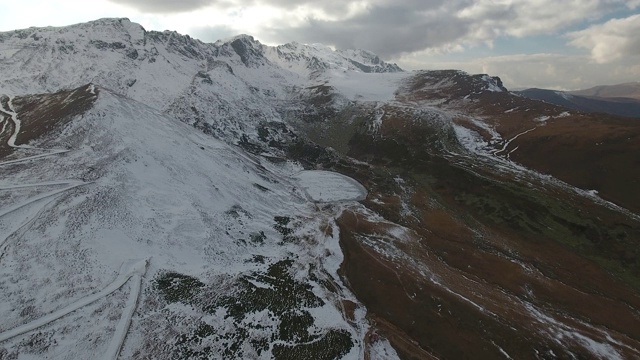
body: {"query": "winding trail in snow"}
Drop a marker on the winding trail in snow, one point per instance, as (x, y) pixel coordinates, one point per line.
(30, 221)
(127, 271)
(44, 183)
(125, 320)
(3, 121)
(133, 271)
(21, 229)
(28, 158)
(511, 140)
(17, 124)
(10, 209)
(12, 140)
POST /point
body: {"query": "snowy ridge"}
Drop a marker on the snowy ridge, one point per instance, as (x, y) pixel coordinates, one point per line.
(310, 60)
(229, 86)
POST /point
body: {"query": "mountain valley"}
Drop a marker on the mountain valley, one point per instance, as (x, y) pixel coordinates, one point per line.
(161, 197)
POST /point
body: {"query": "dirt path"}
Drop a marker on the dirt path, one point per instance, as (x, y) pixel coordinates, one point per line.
(12, 139)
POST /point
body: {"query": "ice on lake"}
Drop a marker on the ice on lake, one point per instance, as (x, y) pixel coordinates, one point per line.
(328, 186)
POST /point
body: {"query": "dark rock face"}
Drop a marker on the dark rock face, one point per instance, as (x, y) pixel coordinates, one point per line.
(250, 56)
(102, 45)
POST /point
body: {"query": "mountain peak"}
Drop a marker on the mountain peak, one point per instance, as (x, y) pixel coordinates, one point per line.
(106, 23)
(313, 58)
(109, 20)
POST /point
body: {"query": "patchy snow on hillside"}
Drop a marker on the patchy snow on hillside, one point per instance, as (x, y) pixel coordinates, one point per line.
(471, 140)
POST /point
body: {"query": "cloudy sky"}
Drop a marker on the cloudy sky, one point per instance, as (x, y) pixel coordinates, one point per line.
(560, 44)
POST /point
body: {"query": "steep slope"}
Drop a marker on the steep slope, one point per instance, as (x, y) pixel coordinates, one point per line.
(489, 249)
(611, 105)
(148, 227)
(590, 151)
(171, 72)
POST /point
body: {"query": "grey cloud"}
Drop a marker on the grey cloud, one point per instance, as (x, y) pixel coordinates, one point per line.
(386, 31)
(331, 7)
(178, 6)
(168, 6)
(391, 28)
(394, 27)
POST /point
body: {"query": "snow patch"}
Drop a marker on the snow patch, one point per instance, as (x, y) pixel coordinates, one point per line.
(492, 84)
(381, 349)
(471, 140)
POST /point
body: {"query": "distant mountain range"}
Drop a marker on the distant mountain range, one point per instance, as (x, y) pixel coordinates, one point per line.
(621, 100)
(626, 90)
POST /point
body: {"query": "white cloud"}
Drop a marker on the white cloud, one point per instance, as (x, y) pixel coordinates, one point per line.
(613, 40)
(632, 4)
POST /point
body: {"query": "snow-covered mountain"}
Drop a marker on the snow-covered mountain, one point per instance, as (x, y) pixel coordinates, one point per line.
(136, 194)
(174, 73)
(161, 197)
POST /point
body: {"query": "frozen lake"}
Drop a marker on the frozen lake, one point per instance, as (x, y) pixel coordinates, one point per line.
(328, 186)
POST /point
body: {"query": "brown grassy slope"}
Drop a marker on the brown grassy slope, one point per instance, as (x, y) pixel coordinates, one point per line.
(485, 248)
(590, 151)
(473, 234)
(43, 114)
